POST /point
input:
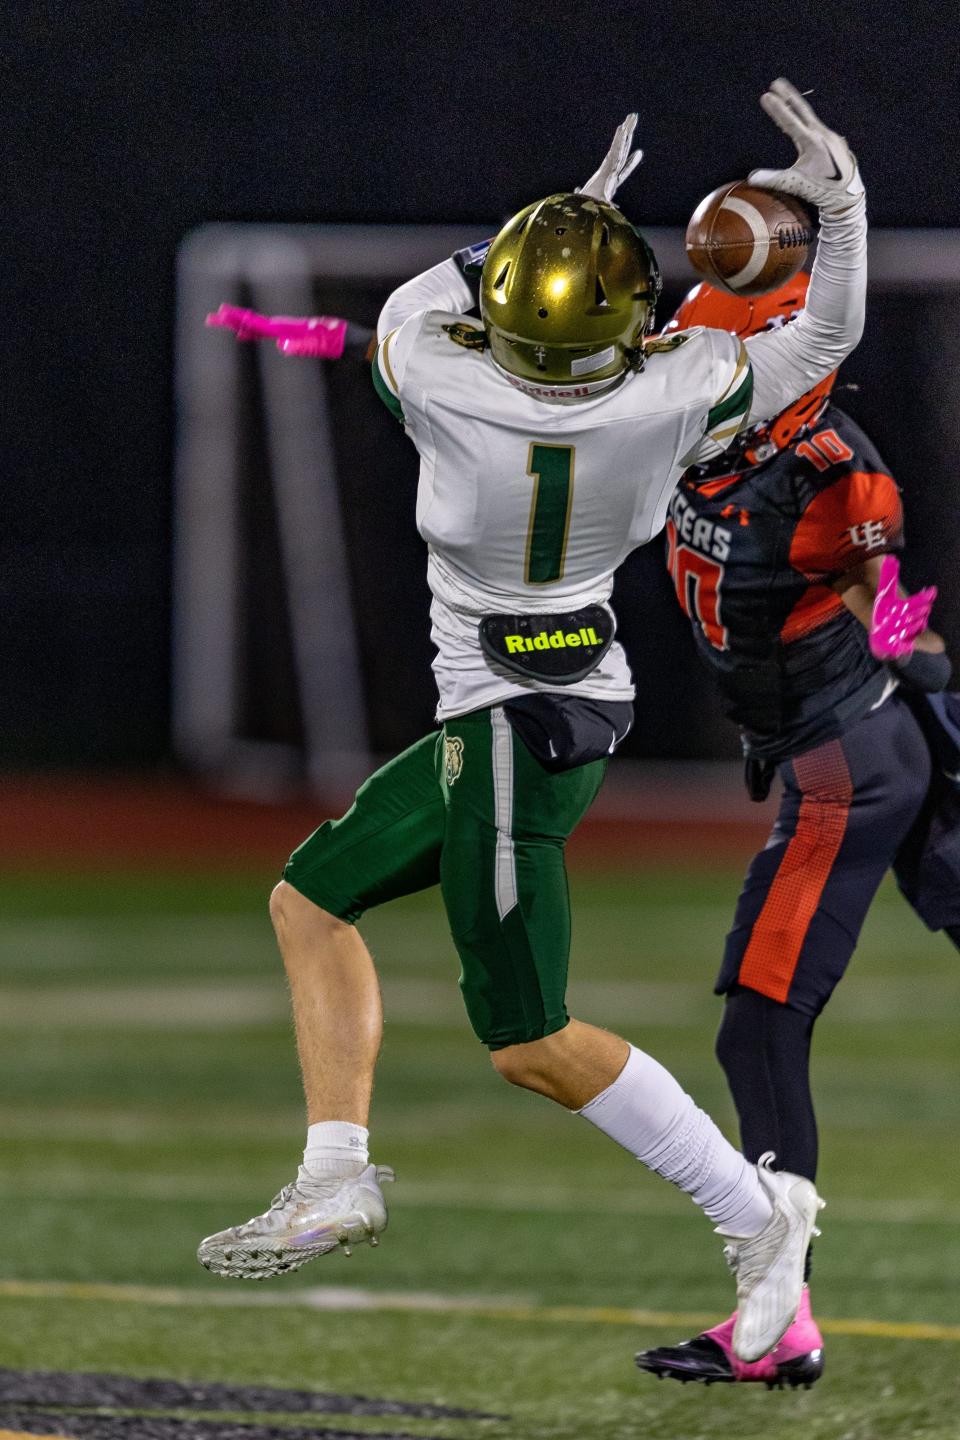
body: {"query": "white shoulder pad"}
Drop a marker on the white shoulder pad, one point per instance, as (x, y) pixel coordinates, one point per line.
(394, 351)
(391, 361)
(732, 392)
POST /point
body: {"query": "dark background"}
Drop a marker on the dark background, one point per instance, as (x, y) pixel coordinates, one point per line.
(130, 124)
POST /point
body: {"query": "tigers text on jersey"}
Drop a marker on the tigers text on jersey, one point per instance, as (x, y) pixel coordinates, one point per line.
(529, 506)
(753, 554)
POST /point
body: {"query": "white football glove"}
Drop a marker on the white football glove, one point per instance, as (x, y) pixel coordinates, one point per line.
(825, 173)
(617, 164)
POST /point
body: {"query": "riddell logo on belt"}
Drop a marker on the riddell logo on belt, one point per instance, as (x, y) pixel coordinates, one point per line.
(558, 640)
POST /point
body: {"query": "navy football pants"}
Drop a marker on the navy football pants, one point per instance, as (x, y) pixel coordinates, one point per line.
(847, 807)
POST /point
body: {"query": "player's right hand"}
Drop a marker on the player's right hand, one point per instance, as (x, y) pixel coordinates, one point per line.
(617, 164)
(245, 324)
(825, 173)
(897, 619)
(321, 336)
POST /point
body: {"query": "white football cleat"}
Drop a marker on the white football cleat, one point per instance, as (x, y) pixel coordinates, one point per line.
(308, 1218)
(769, 1266)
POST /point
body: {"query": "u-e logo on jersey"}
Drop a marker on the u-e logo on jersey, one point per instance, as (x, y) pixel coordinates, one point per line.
(453, 758)
(869, 536)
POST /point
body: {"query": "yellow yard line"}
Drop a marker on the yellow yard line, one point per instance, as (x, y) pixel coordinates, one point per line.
(372, 1301)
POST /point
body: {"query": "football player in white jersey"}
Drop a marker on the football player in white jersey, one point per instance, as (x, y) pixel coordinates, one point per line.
(551, 439)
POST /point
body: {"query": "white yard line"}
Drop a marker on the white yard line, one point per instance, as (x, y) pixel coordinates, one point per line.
(338, 1299)
(232, 1004)
(640, 1203)
(412, 1000)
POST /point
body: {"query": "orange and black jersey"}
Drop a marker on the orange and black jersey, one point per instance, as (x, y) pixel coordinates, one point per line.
(753, 555)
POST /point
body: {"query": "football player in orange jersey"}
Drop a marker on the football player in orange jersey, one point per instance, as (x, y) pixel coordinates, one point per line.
(775, 556)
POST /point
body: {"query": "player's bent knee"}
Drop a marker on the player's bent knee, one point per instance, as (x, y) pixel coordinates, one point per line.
(297, 918)
(728, 1048)
(512, 1065)
(743, 1026)
(530, 1064)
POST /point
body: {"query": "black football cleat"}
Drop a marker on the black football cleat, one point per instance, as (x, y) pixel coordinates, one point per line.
(709, 1359)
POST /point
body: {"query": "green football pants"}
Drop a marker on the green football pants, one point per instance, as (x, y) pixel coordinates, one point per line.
(472, 809)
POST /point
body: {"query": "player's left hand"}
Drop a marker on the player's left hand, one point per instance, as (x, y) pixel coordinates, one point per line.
(825, 173)
(321, 336)
(897, 620)
(617, 164)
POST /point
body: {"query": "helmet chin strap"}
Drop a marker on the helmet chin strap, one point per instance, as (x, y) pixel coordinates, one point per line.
(561, 393)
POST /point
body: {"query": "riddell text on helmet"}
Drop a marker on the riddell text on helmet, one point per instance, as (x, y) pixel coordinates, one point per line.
(550, 392)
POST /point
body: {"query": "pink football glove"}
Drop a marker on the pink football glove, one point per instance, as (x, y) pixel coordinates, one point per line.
(322, 336)
(897, 621)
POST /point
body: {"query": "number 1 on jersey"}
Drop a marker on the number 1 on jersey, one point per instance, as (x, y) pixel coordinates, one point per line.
(552, 469)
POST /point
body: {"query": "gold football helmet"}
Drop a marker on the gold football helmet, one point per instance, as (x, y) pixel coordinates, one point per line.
(568, 292)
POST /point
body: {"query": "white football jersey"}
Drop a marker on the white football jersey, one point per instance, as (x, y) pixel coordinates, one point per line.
(529, 506)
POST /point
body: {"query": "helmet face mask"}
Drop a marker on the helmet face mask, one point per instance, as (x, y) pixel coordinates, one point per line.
(568, 293)
(745, 316)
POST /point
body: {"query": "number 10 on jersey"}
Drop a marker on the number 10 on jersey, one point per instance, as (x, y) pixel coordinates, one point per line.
(697, 580)
(551, 467)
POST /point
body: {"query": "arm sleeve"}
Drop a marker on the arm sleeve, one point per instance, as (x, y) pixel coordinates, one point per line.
(731, 402)
(788, 362)
(357, 341)
(444, 287)
(856, 517)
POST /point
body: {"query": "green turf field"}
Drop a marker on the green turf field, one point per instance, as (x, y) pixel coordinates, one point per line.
(149, 1095)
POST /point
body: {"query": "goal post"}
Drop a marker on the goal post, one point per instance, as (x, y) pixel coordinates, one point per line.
(300, 610)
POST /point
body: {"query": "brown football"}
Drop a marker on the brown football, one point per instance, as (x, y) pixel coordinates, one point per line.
(749, 241)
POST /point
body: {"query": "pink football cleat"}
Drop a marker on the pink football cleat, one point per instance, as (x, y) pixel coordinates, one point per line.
(795, 1360)
(897, 620)
(321, 336)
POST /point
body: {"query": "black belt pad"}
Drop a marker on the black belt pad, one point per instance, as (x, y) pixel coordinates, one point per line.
(559, 648)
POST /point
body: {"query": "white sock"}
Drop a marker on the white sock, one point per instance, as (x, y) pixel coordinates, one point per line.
(648, 1113)
(337, 1148)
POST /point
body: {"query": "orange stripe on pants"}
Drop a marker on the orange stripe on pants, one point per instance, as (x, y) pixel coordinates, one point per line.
(781, 927)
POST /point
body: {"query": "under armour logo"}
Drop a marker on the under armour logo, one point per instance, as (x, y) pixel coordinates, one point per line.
(869, 535)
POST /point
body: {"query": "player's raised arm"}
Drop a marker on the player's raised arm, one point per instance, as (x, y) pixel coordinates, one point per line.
(788, 362)
(454, 284)
(442, 287)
